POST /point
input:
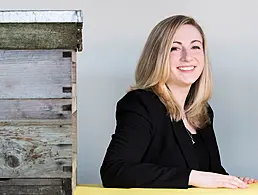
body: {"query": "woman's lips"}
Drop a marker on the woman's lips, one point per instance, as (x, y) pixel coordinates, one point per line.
(186, 68)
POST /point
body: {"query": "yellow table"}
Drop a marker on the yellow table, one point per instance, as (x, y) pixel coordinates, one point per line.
(99, 190)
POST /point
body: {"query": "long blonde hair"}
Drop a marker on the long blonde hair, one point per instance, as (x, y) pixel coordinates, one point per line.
(153, 71)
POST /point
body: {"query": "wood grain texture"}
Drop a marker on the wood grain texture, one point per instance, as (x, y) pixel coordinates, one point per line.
(74, 68)
(35, 148)
(74, 97)
(35, 109)
(41, 36)
(35, 186)
(74, 140)
(74, 122)
(35, 74)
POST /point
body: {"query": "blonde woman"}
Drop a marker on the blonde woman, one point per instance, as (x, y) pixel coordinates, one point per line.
(164, 135)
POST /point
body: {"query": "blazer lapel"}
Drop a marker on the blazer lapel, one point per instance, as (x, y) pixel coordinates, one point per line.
(185, 143)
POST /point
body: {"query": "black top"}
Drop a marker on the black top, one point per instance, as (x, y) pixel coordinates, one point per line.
(148, 150)
(201, 152)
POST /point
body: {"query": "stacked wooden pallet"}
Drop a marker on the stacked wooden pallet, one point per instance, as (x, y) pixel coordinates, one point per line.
(38, 101)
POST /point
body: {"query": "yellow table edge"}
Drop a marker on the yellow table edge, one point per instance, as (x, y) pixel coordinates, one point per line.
(95, 189)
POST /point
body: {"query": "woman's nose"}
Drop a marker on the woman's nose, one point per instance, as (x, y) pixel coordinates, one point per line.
(185, 55)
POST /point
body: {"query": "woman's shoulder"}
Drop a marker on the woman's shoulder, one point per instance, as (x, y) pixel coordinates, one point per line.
(142, 103)
(143, 96)
(210, 110)
(141, 100)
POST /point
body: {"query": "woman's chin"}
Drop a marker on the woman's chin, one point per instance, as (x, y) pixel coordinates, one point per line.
(183, 82)
(187, 83)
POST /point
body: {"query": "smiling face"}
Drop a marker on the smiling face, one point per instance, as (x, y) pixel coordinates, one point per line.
(186, 56)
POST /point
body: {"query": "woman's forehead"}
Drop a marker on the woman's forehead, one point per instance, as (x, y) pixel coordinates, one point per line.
(187, 33)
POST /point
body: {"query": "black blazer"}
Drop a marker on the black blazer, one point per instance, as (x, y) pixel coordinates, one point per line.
(149, 150)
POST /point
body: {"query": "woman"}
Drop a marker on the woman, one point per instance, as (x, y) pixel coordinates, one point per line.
(164, 135)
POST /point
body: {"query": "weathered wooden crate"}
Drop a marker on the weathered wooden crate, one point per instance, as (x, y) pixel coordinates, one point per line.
(38, 101)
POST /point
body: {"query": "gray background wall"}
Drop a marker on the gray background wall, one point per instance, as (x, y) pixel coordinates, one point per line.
(114, 34)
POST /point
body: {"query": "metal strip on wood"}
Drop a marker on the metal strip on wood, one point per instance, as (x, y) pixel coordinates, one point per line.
(41, 16)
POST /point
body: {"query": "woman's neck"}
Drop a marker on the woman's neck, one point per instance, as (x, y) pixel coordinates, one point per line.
(180, 94)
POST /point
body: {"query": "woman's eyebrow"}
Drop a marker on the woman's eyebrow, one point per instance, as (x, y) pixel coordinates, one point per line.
(178, 42)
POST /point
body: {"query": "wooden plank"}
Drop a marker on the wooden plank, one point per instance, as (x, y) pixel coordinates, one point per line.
(67, 187)
(31, 190)
(31, 182)
(74, 138)
(74, 89)
(35, 109)
(35, 186)
(74, 173)
(35, 74)
(74, 70)
(41, 36)
(74, 122)
(74, 98)
(35, 148)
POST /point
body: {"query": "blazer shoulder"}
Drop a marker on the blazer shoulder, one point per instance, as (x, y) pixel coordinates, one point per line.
(143, 102)
(210, 111)
(141, 96)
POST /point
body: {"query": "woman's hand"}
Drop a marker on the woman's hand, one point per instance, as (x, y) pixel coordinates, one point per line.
(214, 180)
(248, 180)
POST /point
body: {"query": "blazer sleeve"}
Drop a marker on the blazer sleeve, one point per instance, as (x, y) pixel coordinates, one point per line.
(122, 166)
(218, 168)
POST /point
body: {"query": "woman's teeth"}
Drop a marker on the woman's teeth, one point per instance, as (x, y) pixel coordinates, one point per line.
(186, 68)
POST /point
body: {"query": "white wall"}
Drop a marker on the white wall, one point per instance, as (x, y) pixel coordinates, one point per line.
(114, 34)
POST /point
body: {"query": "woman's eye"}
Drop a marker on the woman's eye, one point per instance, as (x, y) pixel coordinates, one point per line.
(175, 48)
(196, 47)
